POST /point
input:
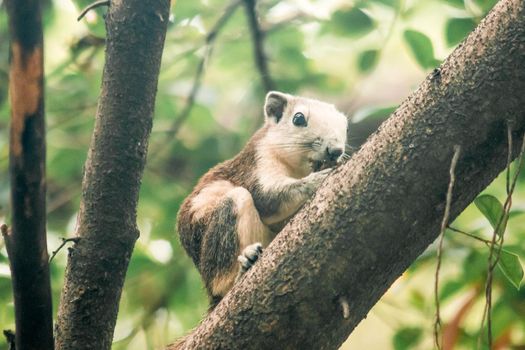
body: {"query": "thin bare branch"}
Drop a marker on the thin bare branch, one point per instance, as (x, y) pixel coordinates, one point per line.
(171, 133)
(444, 224)
(486, 241)
(199, 73)
(92, 6)
(257, 34)
(64, 241)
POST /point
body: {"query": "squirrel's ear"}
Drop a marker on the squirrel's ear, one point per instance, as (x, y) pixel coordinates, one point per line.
(275, 104)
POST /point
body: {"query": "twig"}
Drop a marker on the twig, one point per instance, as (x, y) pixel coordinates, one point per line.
(209, 43)
(486, 241)
(91, 7)
(494, 253)
(64, 241)
(509, 160)
(4, 230)
(444, 223)
(199, 73)
(258, 50)
(10, 338)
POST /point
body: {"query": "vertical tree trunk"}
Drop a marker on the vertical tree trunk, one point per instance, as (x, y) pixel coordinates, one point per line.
(26, 240)
(107, 219)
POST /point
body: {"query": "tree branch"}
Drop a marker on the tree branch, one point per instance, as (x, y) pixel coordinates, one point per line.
(258, 50)
(444, 224)
(208, 49)
(91, 7)
(172, 132)
(378, 212)
(64, 242)
(107, 228)
(26, 242)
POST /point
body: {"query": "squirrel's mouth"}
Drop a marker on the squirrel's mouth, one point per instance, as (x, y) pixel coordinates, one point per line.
(318, 165)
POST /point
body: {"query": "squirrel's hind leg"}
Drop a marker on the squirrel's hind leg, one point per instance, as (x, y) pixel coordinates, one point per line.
(235, 225)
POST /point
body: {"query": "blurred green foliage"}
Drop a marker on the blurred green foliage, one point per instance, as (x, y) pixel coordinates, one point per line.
(364, 55)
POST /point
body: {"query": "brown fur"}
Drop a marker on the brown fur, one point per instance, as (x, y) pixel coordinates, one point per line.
(238, 171)
(247, 199)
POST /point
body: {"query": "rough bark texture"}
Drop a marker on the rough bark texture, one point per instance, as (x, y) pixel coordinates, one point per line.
(26, 241)
(377, 213)
(107, 219)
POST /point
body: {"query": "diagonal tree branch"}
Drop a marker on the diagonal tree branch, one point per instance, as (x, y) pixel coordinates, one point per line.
(26, 242)
(97, 264)
(378, 212)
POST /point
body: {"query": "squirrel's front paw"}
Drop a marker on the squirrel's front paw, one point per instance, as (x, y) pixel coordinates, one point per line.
(249, 256)
(314, 180)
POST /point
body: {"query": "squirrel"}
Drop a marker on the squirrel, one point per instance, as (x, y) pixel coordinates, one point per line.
(238, 207)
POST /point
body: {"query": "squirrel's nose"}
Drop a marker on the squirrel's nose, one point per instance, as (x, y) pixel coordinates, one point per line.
(334, 152)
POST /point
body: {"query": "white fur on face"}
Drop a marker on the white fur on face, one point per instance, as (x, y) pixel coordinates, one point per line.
(295, 145)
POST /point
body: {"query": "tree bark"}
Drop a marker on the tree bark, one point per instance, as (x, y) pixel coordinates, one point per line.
(377, 213)
(26, 241)
(107, 228)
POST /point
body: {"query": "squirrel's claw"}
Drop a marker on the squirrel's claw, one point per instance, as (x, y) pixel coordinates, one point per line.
(249, 256)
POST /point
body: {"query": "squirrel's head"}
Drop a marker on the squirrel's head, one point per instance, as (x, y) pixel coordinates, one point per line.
(304, 132)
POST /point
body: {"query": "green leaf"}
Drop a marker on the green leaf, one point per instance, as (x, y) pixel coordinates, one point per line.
(417, 299)
(353, 22)
(407, 338)
(186, 9)
(456, 3)
(516, 212)
(421, 47)
(456, 29)
(509, 264)
(485, 5)
(389, 3)
(492, 209)
(367, 60)
(474, 266)
(451, 288)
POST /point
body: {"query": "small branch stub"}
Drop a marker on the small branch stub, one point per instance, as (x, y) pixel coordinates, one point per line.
(64, 241)
(92, 6)
(9, 334)
(4, 230)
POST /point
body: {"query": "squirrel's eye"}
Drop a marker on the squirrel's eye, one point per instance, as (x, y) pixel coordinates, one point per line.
(299, 119)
